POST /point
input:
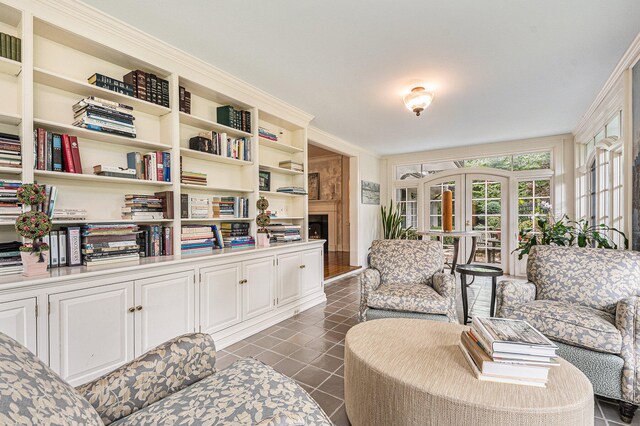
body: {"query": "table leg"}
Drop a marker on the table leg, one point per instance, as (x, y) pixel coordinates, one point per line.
(454, 261)
(474, 244)
(465, 307)
(494, 281)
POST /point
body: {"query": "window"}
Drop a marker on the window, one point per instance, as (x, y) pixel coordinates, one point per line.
(518, 162)
(486, 217)
(593, 192)
(534, 200)
(407, 199)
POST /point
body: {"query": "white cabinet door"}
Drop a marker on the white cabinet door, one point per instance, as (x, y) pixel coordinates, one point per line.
(164, 309)
(220, 297)
(91, 331)
(18, 321)
(312, 271)
(288, 278)
(258, 287)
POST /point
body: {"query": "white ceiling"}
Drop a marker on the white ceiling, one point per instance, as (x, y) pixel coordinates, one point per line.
(501, 69)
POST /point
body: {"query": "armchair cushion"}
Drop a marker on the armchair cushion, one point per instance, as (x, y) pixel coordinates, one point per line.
(245, 393)
(408, 297)
(597, 278)
(407, 261)
(369, 281)
(628, 322)
(31, 393)
(513, 293)
(570, 323)
(162, 371)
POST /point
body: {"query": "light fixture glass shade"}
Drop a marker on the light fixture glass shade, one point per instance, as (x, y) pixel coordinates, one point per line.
(418, 99)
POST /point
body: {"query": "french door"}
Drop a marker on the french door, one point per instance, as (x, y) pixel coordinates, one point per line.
(480, 204)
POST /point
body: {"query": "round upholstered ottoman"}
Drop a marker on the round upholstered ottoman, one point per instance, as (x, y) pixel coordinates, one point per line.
(412, 372)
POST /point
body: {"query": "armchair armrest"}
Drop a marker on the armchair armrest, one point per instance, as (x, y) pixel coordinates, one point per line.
(445, 285)
(164, 370)
(628, 323)
(510, 294)
(369, 281)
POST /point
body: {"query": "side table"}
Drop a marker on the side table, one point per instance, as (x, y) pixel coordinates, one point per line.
(478, 271)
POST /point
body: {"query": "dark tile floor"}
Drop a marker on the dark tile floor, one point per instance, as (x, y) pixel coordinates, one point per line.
(310, 348)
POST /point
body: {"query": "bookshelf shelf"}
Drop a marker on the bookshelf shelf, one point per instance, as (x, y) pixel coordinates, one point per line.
(96, 178)
(12, 119)
(218, 219)
(10, 170)
(7, 66)
(99, 136)
(204, 124)
(280, 194)
(61, 82)
(81, 222)
(188, 186)
(280, 218)
(279, 170)
(186, 152)
(279, 146)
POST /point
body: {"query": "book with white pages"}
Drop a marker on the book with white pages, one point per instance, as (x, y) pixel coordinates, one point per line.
(502, 335)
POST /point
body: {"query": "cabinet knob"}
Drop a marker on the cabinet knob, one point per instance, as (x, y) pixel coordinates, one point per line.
(139, 308)
(303, 266)
(243, 281)
(132, 309)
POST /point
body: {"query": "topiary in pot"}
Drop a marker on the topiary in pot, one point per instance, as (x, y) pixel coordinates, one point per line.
(33, 225)
(263, 220)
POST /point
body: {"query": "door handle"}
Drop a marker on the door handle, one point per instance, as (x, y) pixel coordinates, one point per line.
(139, 308)
(132, 309)
(303, 266)
(243, 281)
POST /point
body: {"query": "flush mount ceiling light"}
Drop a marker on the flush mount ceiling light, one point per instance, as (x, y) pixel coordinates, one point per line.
(418, 99)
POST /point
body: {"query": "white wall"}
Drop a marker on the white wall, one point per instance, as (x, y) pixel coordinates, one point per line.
(364, 165)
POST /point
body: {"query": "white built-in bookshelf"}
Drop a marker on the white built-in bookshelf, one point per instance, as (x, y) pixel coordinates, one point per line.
(39, 93)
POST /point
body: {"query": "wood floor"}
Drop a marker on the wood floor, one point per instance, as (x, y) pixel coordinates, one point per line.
(337, 263)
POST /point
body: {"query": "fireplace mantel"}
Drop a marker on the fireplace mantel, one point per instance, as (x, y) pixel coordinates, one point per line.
(330, 208)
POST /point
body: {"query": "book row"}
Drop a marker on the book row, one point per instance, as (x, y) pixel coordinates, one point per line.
(229, 116)
(217, 143)
(213, 207)
(138, 84)
(10, 47)
(10, 150)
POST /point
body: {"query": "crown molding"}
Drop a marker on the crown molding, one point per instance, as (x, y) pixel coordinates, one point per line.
(629, 59)
(64, 10)
(326, 139)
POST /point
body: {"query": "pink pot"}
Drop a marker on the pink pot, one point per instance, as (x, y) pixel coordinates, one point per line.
(263, 239)
(30, 265)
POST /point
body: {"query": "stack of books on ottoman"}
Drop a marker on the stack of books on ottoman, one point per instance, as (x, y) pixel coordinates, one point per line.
(508, 351)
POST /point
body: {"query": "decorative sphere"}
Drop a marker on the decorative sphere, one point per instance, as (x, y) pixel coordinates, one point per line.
(263, 220)
(262, 204)
(31, 194)
(33, 225)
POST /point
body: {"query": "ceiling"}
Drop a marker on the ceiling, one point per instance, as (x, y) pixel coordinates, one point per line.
(501, 70)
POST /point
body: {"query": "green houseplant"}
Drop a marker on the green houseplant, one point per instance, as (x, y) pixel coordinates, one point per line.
(33, 225)
(565, 232)
(392, 225)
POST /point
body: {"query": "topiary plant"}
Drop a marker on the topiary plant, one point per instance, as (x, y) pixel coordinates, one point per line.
(33, 225)
(263, 220)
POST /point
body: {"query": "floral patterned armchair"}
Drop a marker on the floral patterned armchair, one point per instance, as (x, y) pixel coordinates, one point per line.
(175, 383)
(405, 278)
(588, 301)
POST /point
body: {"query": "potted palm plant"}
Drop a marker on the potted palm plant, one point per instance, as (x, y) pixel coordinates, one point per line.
(33, 225)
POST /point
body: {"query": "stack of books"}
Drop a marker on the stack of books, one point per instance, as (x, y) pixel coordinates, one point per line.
(105, 116)
(148, 87)
(70, 214)
(10, 150)
(197, 239)
(10, 262)
(155, 240)
(184, 100)
(236, 235)
(56, 152)
(508, 351)
(142, 207)
(193, 178)
(109, 243)
(10, 207)
(229, 116)
(10, 47)
(154, 165)
(199, 207)
(292, 190)
(112, 84)
(218, 143)
(114, 171)
(230, 207)
(292, 165)
(284, 232)
(264, 133)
